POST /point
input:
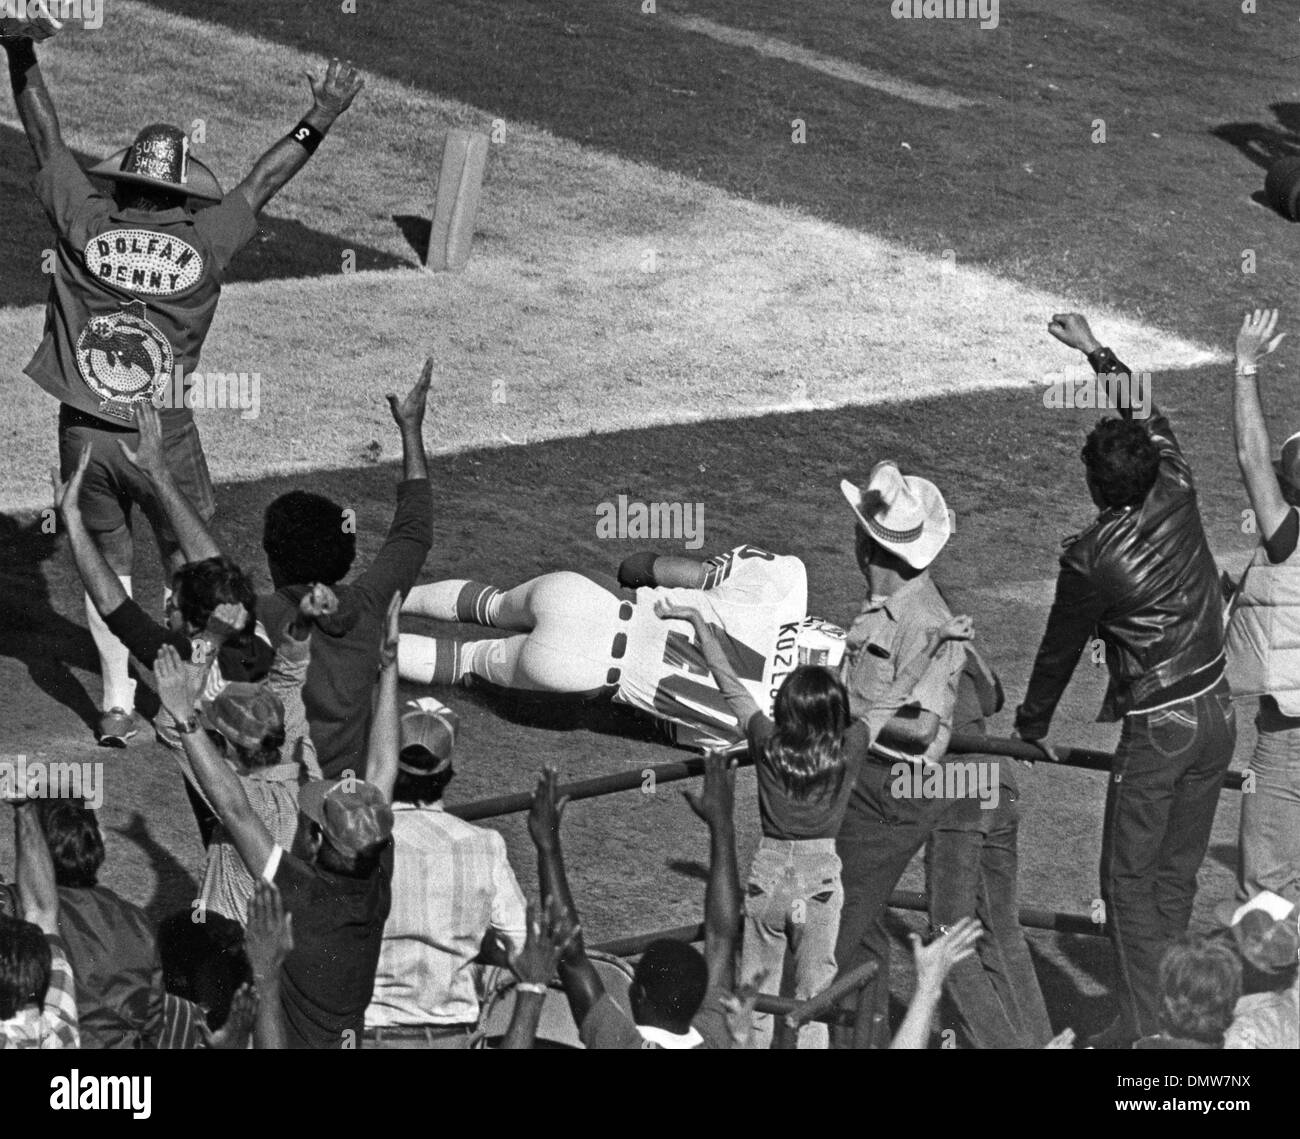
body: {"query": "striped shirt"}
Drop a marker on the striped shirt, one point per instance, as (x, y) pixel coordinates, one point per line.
(54, 1025)
(451, 884)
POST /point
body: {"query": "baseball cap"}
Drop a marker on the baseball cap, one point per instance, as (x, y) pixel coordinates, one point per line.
(428, 736)
(1265, 931)
(246, 714)
(354, 814)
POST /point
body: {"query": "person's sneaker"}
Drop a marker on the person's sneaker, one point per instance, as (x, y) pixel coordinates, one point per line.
(1116, 1035)
(116, 726)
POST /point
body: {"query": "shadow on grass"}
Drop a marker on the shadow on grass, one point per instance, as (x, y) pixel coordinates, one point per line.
(176, 887)
(31, 630)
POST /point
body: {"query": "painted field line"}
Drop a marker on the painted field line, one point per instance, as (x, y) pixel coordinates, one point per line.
(827, 64)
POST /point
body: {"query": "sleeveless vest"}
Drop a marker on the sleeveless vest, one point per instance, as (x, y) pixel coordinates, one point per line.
(1263, 641)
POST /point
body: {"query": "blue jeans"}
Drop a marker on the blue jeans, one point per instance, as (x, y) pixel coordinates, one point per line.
(1160, 805)
(793, 900)
(971, 864)
(1270, 813)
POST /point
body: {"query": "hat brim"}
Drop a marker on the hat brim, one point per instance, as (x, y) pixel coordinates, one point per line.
(918, 554)
(311, 799)
(203, 183)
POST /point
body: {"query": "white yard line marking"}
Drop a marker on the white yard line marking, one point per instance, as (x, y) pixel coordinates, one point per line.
(827, 64)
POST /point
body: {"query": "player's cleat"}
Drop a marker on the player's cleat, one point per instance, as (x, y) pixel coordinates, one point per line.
(116, 726)
(29, 26)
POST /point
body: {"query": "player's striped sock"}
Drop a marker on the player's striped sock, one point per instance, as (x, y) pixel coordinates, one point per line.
(455, 600)
(478, 603)
(430, 660)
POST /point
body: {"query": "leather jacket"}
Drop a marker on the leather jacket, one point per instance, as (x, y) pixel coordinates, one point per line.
(1143, 578)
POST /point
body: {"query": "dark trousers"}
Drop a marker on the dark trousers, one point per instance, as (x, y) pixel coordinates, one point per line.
(880, 835)
(1160, 806)
(971, 865)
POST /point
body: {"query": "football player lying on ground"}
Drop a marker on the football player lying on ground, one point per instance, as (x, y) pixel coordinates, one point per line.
(678, 997)
(205, 580)
(132, 295)
(807, 757)
(581, 635)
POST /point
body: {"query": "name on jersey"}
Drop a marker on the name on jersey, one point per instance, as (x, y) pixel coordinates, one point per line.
(786, 657)
(143, 261)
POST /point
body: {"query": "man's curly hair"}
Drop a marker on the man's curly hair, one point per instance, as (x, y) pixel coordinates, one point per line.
(304, 537)
(1200, 981)
(1122, 461)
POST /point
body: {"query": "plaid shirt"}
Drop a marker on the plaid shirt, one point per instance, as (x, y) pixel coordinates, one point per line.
(451, 884)
(54, 1026)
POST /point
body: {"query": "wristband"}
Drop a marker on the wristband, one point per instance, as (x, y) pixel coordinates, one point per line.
(190, 727)
(306, 136)
(1247, 369)
(532, 987)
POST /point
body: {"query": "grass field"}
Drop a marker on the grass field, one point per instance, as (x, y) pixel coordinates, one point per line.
(795, 278)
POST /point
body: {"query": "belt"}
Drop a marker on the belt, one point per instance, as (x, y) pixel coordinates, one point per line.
(618, 648)
(419, 1031)
(70, 416)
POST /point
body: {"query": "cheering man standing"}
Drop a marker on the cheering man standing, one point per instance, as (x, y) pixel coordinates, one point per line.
(1143, 578)
(134, 291)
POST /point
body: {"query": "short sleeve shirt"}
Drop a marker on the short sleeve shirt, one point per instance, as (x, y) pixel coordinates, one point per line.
(884, 638)
(820, 813)
(132, 296)
(608, 1027)
(338, 925)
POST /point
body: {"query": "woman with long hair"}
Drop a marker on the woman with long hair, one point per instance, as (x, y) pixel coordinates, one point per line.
(807, 757)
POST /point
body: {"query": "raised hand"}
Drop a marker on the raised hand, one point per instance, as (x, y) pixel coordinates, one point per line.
(238, 1028)
(547, 810)
(935, 961)
(173, 684)
(67, 495)
(1071, 329)
(226, 621)
(319, 601)
(738, 1006)
(334, 94)
(1062, 1040)
(392, 632)
(714, 803)
(149, 455)
(268, 938)
(409, 412)
(548, 937)
(1256, 339)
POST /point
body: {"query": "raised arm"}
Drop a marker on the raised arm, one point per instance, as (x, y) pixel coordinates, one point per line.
(34, 869)
(330, 98)
(582, 984)
(196, 543)
(268, 941)
(102, 584)
(933, 964)
(218, 782)
(1254, 449)
(385, 730)
(715, 804)
(408, 414)
(736, 694)
(32, 98)
(533, 966)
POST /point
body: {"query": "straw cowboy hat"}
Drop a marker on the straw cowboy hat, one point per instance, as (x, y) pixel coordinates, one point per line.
(903, 513)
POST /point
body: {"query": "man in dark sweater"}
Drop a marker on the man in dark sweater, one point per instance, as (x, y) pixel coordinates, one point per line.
(310, 539)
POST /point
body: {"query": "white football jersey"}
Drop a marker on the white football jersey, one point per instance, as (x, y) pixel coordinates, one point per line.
(755, 601)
